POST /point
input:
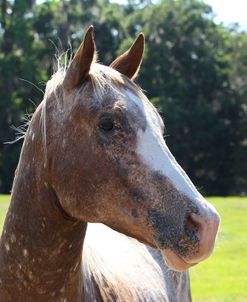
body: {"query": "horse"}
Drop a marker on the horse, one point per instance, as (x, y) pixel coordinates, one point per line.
(94, 152)
(111, 270)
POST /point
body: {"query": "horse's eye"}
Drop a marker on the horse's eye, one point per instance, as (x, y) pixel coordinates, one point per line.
(106, 125)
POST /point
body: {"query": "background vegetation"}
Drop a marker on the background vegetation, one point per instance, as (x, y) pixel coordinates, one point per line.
(194, 71)
(223, 277)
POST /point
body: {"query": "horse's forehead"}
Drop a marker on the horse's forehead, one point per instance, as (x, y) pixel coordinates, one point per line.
(147, 110)
(134, 103)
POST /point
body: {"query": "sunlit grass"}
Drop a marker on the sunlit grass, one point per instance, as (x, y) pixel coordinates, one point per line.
(4, 203)
(223, 277)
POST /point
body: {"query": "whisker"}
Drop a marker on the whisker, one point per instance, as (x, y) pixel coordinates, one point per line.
(32, 85)
(32, 102)
(54, 44)
(20, 132)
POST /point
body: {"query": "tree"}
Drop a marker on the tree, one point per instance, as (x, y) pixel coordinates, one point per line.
(17, 60)
(194, 71)
(238, 78)
(187, 75)
(29, 34)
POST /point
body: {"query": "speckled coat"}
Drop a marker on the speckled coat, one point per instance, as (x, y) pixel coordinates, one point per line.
(94, 153)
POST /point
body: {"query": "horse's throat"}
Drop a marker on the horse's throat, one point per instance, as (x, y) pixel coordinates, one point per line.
(40, 247)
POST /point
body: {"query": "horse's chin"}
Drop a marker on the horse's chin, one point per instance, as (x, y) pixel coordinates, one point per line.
(175, 262)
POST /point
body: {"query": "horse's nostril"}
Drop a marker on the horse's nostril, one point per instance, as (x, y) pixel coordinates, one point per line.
(191, 225)
(197, 220)
(202, 228)
(194, 227)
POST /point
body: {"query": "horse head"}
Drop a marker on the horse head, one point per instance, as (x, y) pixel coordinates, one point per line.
(108, 162)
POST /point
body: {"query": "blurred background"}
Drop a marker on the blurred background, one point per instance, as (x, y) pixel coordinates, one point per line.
(194, 72)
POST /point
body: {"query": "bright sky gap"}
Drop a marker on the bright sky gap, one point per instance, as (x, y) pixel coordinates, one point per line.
(226, 11)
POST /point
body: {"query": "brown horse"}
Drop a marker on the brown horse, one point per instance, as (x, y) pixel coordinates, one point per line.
(94, 152)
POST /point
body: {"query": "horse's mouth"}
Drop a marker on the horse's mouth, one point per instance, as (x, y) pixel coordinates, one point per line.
(204, 230)
(174, 261)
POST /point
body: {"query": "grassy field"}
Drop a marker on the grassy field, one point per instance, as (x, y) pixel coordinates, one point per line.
(223, 277)
(4, 202)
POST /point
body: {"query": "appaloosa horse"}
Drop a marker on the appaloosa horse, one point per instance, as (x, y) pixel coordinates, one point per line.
(94, 152)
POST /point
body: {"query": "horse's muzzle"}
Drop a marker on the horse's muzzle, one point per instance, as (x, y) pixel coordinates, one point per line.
(206, 223)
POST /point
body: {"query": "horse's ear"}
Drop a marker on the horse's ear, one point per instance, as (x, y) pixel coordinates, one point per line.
(79, 67)
(129, 63)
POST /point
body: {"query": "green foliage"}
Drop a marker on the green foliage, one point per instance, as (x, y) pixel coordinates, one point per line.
(194, 72)
(238, 78)
(187, 75)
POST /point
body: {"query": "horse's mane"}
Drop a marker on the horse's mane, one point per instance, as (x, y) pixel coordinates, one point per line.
(113, 268)
(100, 78)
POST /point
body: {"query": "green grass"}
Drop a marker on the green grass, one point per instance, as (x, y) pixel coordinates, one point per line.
(223, 277)
(4, 203)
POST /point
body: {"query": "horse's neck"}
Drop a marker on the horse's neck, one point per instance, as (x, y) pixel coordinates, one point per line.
(40, 248)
